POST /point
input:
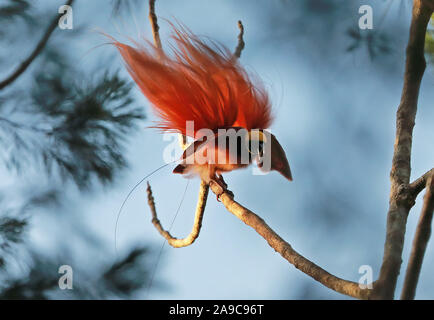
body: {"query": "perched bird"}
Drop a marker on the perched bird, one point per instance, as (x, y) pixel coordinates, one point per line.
(204, 85)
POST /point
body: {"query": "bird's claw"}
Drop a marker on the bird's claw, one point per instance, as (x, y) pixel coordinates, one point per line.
(221, 189)
(222, 182)
(222, 186)
(230, 193)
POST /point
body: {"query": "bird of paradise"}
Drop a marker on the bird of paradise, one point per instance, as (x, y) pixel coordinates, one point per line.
(206, 85)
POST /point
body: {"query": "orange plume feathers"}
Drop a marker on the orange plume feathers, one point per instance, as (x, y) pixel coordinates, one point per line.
(199, 83)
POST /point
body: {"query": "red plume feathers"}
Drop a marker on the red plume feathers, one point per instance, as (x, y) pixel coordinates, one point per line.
(199, 83)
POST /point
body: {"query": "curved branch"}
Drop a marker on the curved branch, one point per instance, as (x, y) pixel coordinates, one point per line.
(241, 44)
(287, 252)
(200, 209)
(420, 242)
(38, 49)
(400, 173)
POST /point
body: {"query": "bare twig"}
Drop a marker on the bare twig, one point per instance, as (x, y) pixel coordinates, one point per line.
(241, 44)
(200, 209)
(419, 184)
(154, 24)
(401, 169)
(287, 252)
(38, 49)
(423, 233)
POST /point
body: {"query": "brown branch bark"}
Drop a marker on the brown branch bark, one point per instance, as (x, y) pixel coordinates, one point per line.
(401, 169)
(154, 24)
(287, 252)
(419, 184)
(198, 217)
(38, 49)
(420, 242)
(241, 44)
(429, 4)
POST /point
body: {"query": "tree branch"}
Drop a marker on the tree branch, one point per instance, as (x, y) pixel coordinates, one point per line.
(419, 184)
(287, 252)
(401, 169)
(38, 49)
(420, 242)
(154, 24)
(241, 44)
(200, 209)
(429, 4)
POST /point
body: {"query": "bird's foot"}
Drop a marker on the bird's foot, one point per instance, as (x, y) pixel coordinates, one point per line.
(222, 186)
(221, 180)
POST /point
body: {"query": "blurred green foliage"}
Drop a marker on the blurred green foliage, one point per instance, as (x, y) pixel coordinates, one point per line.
(117, 280)
(67, 128)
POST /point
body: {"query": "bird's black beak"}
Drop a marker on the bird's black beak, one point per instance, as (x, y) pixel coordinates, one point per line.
(275, 156)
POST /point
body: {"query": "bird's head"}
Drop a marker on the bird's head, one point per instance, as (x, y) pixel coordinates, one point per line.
(268, 152)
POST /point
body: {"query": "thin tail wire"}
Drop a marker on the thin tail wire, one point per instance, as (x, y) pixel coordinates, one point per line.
(130, 193)
(148, 289)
